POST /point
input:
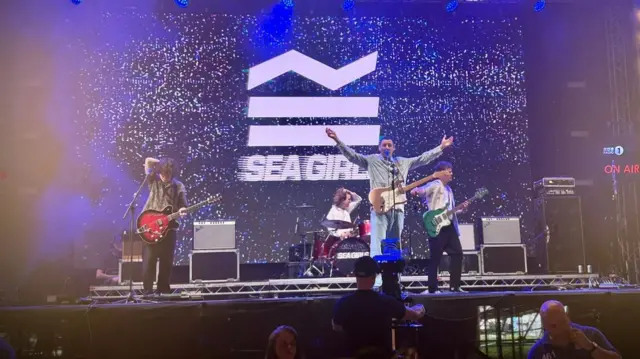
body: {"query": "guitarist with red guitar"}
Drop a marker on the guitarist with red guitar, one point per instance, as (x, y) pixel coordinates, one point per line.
(164, 191)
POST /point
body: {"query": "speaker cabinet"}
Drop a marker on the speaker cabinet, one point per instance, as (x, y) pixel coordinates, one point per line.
(559, 238)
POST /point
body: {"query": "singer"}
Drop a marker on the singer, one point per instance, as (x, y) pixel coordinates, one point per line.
(384, 171)
(164, 190)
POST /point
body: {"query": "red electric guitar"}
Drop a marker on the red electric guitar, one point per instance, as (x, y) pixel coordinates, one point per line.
(153, 226)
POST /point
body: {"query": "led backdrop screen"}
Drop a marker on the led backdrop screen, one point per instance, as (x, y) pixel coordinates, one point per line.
(242, 102)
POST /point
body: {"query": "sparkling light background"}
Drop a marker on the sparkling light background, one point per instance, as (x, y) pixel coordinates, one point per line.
(184, 95)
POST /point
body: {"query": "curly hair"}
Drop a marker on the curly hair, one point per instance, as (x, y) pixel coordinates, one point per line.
(339, 196)
(271, 345)
(168, 167)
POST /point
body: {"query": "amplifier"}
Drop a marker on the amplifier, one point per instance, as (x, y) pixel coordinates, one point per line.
(467, 237)
(210, 235)
(220, 265)
(125, 268)
(504, 259)
(470, 263)
(551, 192)
(500, 230)
(555, 182)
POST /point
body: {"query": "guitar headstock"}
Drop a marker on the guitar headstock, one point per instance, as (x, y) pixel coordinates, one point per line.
(481, 192)
(213, 199)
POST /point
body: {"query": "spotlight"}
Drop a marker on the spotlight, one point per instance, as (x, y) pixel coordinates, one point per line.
(539, 5)
(76, 2)
(348, 4)
(452, 5)
(182, 3)
(287, 3)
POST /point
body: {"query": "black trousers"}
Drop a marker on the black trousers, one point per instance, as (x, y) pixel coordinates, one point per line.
(162, 252)
(446, 241)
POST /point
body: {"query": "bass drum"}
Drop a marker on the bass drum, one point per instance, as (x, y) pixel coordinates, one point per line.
(364, 231)
(344, 254)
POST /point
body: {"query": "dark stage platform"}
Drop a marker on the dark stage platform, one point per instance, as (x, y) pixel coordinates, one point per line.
(239, 328)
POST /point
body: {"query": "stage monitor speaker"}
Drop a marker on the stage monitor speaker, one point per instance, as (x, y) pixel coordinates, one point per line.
(559, 237)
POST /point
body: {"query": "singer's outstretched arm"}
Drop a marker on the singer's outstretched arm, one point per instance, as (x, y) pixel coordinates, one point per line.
(352, 156)
(425, 158)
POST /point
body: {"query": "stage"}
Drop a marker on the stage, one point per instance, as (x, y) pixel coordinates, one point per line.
(325, 286)
(231, 329)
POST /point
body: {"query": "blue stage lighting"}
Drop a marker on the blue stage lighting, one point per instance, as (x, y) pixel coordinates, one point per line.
(287, 3)
(539, 5)
(348, 4)
(452, 5)
(76, 2)
(182, 3)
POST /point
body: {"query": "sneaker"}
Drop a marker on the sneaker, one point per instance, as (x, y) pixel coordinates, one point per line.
(457, 290)
(428, 292)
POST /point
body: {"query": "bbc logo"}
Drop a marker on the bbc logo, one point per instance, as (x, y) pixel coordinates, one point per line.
(617, 150)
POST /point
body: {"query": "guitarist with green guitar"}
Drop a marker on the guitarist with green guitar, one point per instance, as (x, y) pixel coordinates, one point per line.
(441, 224)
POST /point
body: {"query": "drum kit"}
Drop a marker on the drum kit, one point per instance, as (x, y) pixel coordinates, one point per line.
(339, 254)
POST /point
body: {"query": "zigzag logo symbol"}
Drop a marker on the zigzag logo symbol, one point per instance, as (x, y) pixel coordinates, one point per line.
(312, 69)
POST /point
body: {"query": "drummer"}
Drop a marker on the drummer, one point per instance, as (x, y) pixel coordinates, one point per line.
(344, 202)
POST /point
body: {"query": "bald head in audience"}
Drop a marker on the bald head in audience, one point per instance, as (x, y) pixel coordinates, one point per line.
(555, 319)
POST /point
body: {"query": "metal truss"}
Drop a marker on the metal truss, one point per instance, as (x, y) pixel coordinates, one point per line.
(621, 53)
(618, 49)
(311, 286)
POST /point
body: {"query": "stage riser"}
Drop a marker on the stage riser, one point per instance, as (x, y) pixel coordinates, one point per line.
(326, 286)
(239, 329)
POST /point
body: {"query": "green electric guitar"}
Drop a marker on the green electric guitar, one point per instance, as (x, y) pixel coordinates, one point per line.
(436, 219)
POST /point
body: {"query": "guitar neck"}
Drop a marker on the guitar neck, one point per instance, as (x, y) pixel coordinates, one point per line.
(417, 183)
(195, 207)
(458, 207)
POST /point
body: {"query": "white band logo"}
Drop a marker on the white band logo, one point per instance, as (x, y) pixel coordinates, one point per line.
(254, 168)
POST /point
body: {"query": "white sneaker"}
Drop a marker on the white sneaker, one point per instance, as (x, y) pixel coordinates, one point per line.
(427, 292)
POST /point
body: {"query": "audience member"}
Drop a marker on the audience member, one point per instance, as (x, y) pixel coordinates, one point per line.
(563, 339)
(283, 344)
(366, 317)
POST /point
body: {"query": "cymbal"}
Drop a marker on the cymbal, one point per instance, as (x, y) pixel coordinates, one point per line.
(337, 224)
(304, 205)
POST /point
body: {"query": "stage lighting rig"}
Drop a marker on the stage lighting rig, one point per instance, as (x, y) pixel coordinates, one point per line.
(390, 269)
(452, 5)
(182, 3)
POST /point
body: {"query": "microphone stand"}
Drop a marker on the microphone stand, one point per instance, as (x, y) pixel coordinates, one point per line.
(131, 209)
(394, 172)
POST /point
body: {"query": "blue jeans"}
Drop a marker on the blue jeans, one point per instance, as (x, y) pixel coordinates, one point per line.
(388, 225)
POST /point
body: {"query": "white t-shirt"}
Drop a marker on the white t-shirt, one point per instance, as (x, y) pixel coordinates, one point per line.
(341, 214)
